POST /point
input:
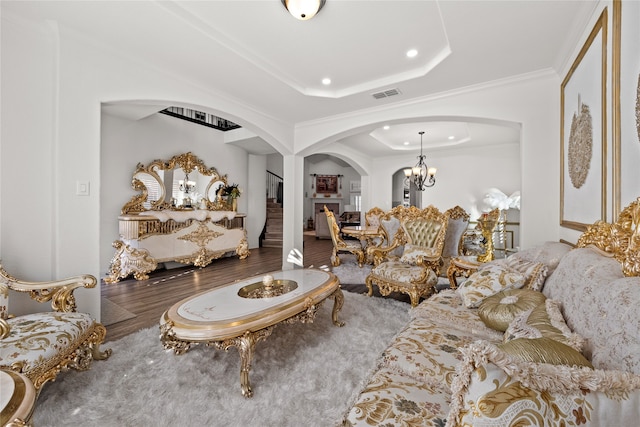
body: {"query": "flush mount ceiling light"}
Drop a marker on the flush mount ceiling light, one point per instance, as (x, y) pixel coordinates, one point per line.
(303, 9)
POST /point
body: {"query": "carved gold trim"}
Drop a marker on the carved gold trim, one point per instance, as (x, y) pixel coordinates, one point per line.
(188, 162)
(339, 245)
(621, 238)
(128, 260)
(457, 212)
(246, 342)
(415, 289)
(59, 292)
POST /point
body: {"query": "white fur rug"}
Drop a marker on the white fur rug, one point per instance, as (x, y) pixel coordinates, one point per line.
(302, 375)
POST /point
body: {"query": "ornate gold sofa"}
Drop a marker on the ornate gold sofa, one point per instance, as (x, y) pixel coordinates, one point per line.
(411, 261)
(453, 365)
(40, 345)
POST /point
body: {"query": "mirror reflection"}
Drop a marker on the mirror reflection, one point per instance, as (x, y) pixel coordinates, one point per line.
(183, 182)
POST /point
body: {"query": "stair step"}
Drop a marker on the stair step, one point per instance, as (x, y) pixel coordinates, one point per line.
(266, 243)
(274, 229)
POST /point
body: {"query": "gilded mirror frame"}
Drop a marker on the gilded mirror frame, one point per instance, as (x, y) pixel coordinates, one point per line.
(189, 163)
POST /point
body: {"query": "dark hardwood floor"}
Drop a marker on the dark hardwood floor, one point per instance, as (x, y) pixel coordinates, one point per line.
(148, 299)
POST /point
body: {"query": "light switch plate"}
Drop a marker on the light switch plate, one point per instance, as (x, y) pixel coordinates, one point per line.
(82, 188)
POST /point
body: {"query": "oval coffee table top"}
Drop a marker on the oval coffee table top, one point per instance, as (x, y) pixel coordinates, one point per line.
(222, 313)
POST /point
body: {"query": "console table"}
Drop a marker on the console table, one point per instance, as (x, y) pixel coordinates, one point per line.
(191, 237)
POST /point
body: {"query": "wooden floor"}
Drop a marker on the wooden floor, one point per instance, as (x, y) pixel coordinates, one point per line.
(148, 299)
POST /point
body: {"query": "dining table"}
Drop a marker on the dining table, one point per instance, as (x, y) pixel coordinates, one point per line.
(367, 234)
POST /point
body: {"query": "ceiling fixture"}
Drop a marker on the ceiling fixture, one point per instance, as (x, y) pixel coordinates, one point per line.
(421, 175)
(303, 9)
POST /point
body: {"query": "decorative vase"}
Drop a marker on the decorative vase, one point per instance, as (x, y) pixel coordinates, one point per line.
(488, 224)
(234, 204)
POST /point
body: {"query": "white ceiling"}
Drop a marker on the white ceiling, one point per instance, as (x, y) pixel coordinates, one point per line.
(255, 52)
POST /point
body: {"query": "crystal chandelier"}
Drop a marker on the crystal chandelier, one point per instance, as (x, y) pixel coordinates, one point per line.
(187, 186)
(422, 175)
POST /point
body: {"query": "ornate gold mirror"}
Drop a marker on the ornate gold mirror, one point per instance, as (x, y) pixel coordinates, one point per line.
(183, 182)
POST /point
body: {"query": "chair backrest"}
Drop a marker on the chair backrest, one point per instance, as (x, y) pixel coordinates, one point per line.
(334, 230)
(390, 224)
(426, 228)
(373, 216)
(458, 224)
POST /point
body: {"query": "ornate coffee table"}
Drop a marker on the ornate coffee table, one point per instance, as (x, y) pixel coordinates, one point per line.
(243, 313)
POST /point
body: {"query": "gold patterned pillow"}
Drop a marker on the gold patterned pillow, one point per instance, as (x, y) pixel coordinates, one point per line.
(487, 282)
(499, 310)
(493, 388)
(545, 320)
(534, 273)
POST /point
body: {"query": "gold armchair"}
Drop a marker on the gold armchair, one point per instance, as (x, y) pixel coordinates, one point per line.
(42, 344)
(453, 242)
(421, 239)
(342, 246)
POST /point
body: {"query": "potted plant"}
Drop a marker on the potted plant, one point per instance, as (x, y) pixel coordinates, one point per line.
(232, 192)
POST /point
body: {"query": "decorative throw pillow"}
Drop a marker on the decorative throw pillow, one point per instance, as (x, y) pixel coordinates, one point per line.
(544, 350)
(414, 253)
(490, 386)
(487, 282)
(549, 253)
(499, 310)
(534, 273)
(545, 320)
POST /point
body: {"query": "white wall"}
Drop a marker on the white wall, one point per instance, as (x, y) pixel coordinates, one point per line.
(528, 102)
(57, 80)
(125, 143)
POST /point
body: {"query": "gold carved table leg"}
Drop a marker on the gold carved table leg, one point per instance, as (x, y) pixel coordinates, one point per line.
(246, 345)
(338, 302)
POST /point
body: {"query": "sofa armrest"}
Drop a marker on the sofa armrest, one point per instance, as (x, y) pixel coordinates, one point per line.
(59, 292)
(380, 253)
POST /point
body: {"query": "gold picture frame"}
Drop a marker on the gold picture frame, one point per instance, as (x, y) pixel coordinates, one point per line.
(583, 133)
(625, 104)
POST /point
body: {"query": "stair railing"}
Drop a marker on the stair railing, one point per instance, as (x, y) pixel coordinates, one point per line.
(274, 187)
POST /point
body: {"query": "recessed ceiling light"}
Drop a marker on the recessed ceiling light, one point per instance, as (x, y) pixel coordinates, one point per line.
(385, 127)
(411, 53)
(326, 81)
(406, 143)
(452, 137)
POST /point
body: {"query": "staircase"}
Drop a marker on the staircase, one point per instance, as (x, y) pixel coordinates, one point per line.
(273, 235)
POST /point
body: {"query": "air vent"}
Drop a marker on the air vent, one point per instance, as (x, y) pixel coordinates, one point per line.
(386, 93)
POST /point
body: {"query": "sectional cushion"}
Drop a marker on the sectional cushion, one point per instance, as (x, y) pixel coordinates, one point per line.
(393, 399)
